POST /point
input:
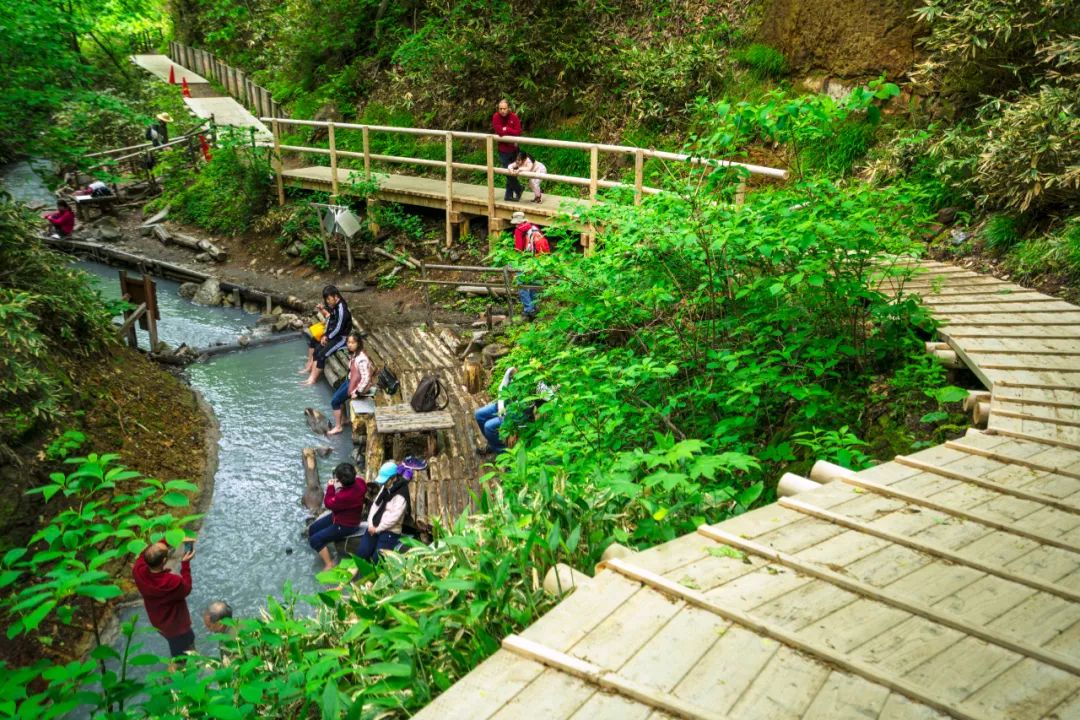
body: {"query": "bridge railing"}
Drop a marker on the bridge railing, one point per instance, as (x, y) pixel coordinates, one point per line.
(593, 182)
(251, 95)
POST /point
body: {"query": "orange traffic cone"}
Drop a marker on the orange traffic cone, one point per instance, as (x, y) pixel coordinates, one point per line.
(205, 147)
(186, 91)
(172, 75)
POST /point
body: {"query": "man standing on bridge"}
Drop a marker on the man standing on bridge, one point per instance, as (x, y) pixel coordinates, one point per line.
(506, 124)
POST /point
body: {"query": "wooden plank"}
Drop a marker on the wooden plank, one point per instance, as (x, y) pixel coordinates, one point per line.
(554, 694)
(985, 600)
(624, 632)
(490, 685)
(724, 673)
(947, 619)
(906, 646)
(595, 675)
(975, 517)
(1032, 438)
(1040, 618)
(784, 689)
(1003, 413)
(1005, 308)
(792, 640)
(673, 652)
(898, 707)
(1025, 691)
(962, 668)
(987, 484)
(936, 551)
(850, 626)
(846, 696)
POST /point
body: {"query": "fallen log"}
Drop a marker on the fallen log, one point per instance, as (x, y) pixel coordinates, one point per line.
(204, 353)
(312, 497)
(481, 290)
(200, 245)
(406, 260)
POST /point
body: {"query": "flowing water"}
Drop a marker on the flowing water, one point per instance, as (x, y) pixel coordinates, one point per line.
(22, 181)
(250, 544)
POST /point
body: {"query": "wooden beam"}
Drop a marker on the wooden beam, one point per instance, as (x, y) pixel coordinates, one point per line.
(277, 162)
(885, 597)
(968, 515)
(760, 626)
(984, 483)
(915, 544)
(489, 150)
(1032, 438)
(639, 175)
(333, 164)
(449, 189)
(594, 171)
(367, 154)
(607, 680)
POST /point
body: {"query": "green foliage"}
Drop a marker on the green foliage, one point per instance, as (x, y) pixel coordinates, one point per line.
(396, 219)
(225, 195)
(764, 61)
(63, 446)
(1000, 232)
(1056, 252)
(37, 283)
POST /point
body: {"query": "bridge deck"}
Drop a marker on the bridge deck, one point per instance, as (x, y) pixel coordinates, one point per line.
(227, 111)
(159, 66)
(944, 583)
(427, 192)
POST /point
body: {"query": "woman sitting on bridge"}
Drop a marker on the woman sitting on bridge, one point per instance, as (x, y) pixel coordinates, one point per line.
(528, 164)
(338, 325)
(360, 383)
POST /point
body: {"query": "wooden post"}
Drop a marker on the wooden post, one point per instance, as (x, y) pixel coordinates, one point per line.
(490, 148)
(639, 174)
(509, 295)
(427, 295)
(277, 163)
(333, 163)
(740, 193)
(367, 154)
(594, 171)
(449, 189)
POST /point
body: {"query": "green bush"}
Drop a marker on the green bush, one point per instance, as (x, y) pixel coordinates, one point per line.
(764, 61)
(39, 283)
(1000, 232)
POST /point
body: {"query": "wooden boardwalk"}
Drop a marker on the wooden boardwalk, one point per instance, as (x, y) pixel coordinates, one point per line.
(941, 584)
(160, 65)
(467, 200)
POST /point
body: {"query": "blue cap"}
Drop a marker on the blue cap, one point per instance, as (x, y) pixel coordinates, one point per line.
(388, 470)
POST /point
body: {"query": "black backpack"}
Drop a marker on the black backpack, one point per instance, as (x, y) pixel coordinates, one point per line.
(426, 397)
(387, 381)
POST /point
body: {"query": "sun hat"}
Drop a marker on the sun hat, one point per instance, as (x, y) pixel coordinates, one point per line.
(388, 470)
(164, 117)
(517, 218)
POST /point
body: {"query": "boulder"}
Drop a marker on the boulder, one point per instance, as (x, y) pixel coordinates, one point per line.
(293, 250)
(285, 322)
(163, 348)
(147, 230)
(108, 229)
(209, 293)
(187, 290)
(203, 257)
(243, 340)
(265, 320)
(252, 307)
(277, 310)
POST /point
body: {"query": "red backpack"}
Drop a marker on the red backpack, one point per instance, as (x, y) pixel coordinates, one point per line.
(535, 242)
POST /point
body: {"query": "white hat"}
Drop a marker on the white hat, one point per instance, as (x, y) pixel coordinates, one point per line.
(517, 218)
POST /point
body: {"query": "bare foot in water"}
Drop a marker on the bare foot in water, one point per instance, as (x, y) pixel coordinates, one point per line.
(335, 430)
(308, 382)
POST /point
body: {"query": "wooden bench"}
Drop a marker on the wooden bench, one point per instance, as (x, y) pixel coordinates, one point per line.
(103, 203)
(397, 421)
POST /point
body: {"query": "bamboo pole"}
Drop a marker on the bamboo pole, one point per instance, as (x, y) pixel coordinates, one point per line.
(449, 189)
(333, 162)
(277, 162)
(367, 154)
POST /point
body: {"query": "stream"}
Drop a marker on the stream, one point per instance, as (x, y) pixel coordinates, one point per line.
(250, 545)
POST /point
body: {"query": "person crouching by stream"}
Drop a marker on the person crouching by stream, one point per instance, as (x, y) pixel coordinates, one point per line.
(345, 500)
(164, 594)
(360, 383)
(338, 324)
(387, 515)
(62, 222)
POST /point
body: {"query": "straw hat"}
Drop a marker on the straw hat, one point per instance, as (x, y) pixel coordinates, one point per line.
(164, 117)
(517, 218)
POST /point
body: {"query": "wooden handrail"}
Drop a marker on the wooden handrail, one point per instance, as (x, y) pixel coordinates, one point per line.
(544, 142)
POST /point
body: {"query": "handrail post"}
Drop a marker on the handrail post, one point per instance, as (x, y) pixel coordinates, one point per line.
(427, 295)
(490, 148)
(740, 193)
(277, 162)
(333, 161)
(639, 174)
(509, 295)
(449, 188)
(594, 171)
(367, 154)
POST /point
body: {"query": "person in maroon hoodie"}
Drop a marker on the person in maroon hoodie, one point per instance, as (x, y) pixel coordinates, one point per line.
(165, 594)
(61, 222)
(507, 125)
(345, 500)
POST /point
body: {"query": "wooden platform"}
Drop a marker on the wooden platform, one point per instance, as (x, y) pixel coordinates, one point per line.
(469, 200)
(412, 352)
(941, 584)
(227, 111)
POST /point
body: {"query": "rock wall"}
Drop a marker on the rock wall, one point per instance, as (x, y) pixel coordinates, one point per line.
(843, 38)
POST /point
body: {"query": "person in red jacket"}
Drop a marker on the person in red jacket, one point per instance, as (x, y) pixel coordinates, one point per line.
(345, 500)
(61, 222)
(506, 124)
(165, 594)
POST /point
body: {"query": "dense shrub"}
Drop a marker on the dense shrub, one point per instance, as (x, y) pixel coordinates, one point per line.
(38, 284)
(1000, 232)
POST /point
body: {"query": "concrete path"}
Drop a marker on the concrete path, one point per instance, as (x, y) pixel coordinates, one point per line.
(227, 111)
(159, 65)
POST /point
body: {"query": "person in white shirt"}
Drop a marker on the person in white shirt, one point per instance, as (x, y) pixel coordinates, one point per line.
(387, 515)
(528, 164)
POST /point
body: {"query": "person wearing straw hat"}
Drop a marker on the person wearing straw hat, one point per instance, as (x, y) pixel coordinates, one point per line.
(528, 239)
(158, 133)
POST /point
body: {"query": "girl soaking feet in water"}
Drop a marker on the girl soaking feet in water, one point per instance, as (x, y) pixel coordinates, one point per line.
(360, 382)
(338, 324)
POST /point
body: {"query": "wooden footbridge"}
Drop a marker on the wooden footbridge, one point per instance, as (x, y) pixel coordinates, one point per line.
(941, 584)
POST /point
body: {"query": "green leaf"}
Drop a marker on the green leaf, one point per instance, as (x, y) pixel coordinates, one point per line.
(175, 499)
(175, 537)
(224, 712)
(99, 592)
(391, 669)
(331, 702)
